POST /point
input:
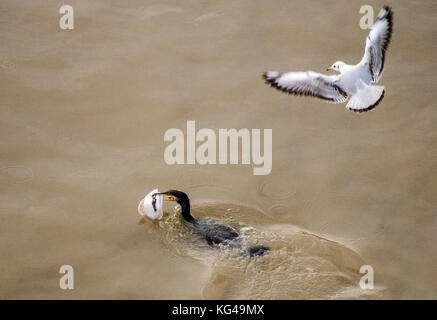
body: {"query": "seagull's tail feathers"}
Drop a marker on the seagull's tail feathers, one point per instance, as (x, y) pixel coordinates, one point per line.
(366, 99)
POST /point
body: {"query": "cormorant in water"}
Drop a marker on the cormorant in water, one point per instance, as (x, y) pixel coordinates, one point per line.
(214, 233)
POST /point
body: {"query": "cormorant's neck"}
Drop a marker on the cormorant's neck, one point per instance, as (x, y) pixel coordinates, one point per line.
(185, 208)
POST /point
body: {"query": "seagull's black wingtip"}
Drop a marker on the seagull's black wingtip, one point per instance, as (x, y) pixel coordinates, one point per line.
(388, 8)
(265, 76)
(388, 14)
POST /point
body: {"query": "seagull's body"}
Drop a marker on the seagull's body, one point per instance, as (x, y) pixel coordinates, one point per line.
(354, 81)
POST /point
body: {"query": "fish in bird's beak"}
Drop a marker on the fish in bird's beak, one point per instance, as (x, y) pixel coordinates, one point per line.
(151, 205)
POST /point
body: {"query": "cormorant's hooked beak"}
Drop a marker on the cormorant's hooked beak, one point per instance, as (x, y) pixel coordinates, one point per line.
(167, 196)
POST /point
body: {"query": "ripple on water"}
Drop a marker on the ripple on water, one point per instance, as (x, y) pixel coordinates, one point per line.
(279, 211)
(277, 190)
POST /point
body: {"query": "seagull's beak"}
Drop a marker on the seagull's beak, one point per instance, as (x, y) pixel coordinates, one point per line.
(329, 69)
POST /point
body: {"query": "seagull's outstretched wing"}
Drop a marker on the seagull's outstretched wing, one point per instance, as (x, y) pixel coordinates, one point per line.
(377, 43)
(308, 84)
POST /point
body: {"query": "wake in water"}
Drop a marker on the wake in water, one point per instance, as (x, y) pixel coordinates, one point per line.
(299, 265)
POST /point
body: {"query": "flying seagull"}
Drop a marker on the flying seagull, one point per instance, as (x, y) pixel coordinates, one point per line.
(354, 80)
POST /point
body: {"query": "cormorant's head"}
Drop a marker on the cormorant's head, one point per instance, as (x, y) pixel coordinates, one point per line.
(175, 195)
(182, 199)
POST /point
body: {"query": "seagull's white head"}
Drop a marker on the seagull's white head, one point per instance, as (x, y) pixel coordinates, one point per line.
(337, 66)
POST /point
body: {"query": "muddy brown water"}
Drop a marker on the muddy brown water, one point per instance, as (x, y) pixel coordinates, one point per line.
(82, 119)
